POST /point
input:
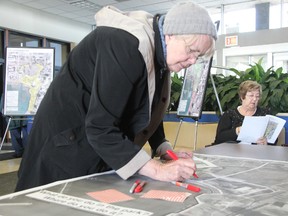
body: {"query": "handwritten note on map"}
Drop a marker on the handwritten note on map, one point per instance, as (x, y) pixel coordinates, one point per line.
(87, 205)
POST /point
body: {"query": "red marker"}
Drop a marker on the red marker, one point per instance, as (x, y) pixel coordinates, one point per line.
(139, 187)
(174, 157)
(195, 175)
(172, 154)
(135, 184)
(187, 186)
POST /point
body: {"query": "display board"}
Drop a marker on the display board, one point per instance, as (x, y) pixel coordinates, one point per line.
(28, 74)
(194, 88)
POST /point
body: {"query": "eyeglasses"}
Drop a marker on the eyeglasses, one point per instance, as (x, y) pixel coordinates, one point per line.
(250, 96)
(191, 51)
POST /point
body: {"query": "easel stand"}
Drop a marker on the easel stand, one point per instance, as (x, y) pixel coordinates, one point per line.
(196, 119)
(7, 128)
(216, 94)
(177, 134)
(195, 133)
(6, 131)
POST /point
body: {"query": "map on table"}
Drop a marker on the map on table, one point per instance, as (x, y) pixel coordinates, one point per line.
(229, 186)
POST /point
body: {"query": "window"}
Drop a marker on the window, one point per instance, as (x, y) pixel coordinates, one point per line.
(216, 17)
(281, 60)
(1, 44)
(2, 120)
(240, 21)
(276, 11)
(285, 15)
(62, 49)
(61, 53)
(242, 62)
(1, 62)
(234, 20)
(22, 40)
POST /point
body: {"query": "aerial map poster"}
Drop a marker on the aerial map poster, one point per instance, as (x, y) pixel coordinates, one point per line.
(28, 74)
(194, 88)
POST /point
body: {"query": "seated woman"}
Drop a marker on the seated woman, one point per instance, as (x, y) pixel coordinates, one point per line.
(230, 123)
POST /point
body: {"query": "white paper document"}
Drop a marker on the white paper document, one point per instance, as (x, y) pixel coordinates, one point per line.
(255, 127)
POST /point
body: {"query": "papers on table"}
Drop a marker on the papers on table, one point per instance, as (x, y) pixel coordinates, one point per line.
(255, 127)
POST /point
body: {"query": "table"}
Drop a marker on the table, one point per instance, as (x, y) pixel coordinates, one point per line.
(266, 152)
(231, 184)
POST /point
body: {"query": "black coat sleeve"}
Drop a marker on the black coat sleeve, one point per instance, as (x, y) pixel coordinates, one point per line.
(225, 130)
(118, 93)
(157, 139)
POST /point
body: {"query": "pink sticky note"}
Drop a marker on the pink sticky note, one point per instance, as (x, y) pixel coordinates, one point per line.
(166, 195)
(109, 196)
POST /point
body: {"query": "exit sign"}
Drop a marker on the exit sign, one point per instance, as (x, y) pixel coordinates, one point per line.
(231, 41)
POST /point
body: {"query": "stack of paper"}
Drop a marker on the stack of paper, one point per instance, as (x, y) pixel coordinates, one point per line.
(255, 127)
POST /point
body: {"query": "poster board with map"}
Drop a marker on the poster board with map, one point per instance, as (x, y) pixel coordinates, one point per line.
(28, 74)
(194, 88)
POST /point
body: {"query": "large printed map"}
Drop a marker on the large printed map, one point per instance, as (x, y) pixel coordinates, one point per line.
(29, 72)
(229, 186)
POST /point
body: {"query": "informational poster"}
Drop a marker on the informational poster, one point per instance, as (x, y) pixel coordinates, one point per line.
(194, 88)
(28, 74)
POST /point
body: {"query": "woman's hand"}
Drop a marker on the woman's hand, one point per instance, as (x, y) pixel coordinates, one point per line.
(173, 170)
(262, 141)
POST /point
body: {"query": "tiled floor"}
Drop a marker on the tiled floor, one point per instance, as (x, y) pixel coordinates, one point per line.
(7, 166)
(8, 177)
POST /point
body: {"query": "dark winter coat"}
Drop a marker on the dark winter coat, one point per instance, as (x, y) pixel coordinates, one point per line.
(100, 110)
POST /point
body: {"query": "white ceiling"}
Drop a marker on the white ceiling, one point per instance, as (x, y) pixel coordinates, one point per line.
(84, 10)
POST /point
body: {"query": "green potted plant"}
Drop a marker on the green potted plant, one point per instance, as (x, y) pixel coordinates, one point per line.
(274, 84)
(176, 88)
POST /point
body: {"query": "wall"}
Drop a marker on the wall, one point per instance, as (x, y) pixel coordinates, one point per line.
(285, 117)
(206, 130)
(27, 20)
(250, 40)
(187, 134)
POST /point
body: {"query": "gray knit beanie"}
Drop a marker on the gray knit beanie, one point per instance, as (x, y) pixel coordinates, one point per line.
(188, 18)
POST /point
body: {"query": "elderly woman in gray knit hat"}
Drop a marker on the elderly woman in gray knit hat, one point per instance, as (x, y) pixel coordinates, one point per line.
(111, 95)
